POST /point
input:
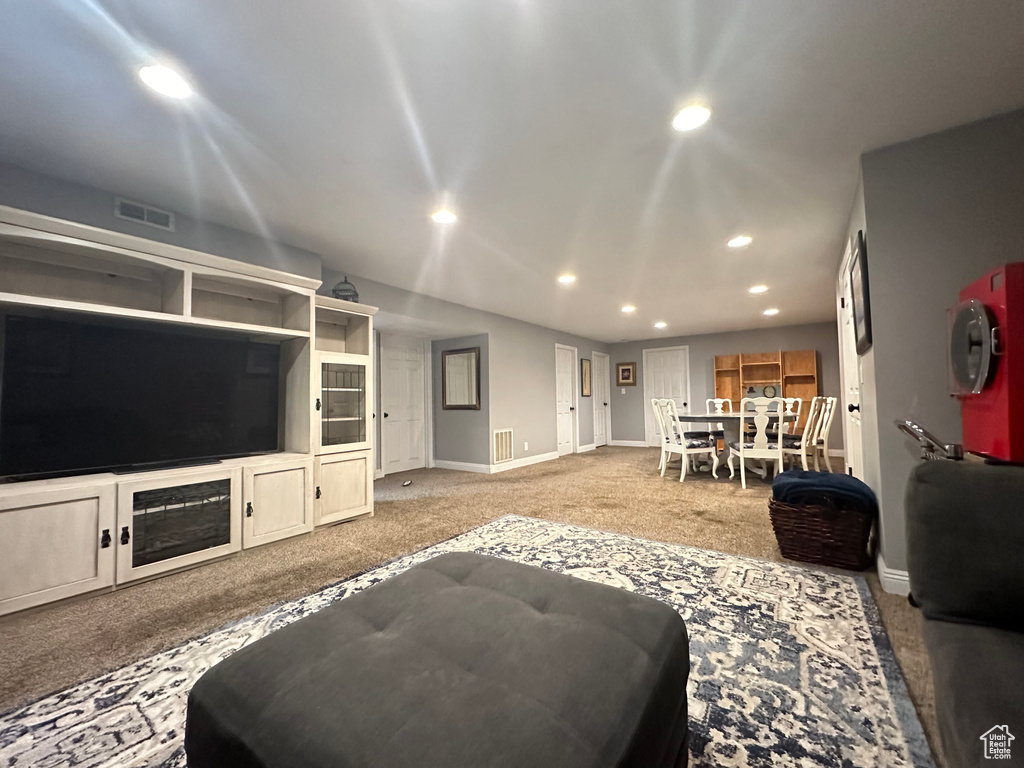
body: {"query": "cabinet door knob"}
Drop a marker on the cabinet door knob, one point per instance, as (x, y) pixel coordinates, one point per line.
(124, 535)
(318, 491)
(572, 408)
(851, 407)
(105, 539)
(318, 403)
(385, 415)
(248, 509)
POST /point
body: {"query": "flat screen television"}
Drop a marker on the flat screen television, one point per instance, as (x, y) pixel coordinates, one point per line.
(81, 395)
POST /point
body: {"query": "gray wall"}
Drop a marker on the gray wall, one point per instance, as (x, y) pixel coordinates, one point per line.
(628, 410)
(521, 363)
(62, 199)
(462, 435)
(940, 211)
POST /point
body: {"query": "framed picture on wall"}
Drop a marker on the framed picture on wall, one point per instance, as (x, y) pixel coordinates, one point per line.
(584, 377)
(625, 374)
(859, 290)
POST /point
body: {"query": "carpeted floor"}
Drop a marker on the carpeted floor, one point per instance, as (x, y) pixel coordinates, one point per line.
(614, 489)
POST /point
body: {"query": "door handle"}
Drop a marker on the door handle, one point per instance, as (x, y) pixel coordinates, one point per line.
(105, 539)
(851, 407)
(248, 509)
(124, 535)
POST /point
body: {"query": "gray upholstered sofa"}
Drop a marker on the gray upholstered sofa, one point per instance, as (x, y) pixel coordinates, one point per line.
(965, 538)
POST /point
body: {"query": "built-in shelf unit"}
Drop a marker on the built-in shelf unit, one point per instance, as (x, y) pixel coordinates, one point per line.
(71, 535)
(791, 373)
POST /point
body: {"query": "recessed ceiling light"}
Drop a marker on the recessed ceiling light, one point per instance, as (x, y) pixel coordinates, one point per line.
(758, 289)
(693, 116)
(629, 308)
(567, 279)
(165, 80)
(740, 241)
(661, 324)
(772, 311)
(444, 216)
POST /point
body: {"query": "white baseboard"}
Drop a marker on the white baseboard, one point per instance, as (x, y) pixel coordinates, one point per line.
(894, 582)
(585, 448)
(490, 469)
(629, 443)
(525, 461)
(462, 466)
(378, 474)
(837, 453)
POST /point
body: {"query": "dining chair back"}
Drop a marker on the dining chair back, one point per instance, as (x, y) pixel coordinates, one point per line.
(755, 411)
(793, 407)
(717, 405)
(804, 444)
(659, 422)
(824, 427)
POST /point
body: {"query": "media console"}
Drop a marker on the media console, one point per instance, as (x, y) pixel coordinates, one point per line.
(67, 536)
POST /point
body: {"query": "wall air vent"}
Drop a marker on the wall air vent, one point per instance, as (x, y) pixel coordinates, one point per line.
(502, 445)
(143, 214)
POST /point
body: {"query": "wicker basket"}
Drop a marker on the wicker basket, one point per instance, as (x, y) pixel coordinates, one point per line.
(825, 533)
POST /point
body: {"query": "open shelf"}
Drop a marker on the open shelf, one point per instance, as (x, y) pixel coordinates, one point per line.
(228, 299)
(116, 282)
(342, 326)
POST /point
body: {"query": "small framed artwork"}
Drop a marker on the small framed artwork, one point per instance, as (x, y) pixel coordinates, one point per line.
(584, 377)
(859, 290)
(625, 374)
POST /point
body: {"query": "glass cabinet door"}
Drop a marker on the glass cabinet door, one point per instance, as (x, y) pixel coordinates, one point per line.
(342, 404)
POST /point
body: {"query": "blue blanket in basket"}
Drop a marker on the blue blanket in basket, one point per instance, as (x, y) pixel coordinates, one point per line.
(796, 486)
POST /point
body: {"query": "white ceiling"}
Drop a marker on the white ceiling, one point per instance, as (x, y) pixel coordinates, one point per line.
(339, 126)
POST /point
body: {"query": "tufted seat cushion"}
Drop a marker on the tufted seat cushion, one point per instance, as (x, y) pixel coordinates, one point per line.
(464, 660)
(699, 443)
(750, 446)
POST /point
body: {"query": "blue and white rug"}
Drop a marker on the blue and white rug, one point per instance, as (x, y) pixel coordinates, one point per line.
(790, 665)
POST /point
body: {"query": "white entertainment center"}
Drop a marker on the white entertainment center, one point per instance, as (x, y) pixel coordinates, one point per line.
(67, 536)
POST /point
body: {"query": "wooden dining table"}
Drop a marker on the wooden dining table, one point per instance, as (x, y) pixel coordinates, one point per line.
(731, 426)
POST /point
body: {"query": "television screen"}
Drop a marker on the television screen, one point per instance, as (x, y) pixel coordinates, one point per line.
(87, 395)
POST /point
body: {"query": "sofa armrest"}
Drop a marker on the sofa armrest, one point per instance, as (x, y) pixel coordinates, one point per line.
(965, 542)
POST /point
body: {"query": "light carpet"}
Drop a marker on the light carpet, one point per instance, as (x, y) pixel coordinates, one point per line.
(790, 666)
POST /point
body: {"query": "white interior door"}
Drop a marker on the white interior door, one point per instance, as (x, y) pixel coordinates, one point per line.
(852, 378)
(565, 390)
(402, 404)
(600, 388)
(666, 375)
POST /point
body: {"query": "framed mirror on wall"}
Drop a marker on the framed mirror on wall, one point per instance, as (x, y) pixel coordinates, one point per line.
(460, 379)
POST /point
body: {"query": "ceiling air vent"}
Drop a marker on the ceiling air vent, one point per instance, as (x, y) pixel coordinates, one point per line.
(143, 214)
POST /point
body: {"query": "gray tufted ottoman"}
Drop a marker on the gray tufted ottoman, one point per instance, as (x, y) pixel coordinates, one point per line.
(461, 661)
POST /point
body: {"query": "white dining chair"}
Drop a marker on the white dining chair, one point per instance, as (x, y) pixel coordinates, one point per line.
(760, 447)
(677, 443)
(815, 435)
(804, 443)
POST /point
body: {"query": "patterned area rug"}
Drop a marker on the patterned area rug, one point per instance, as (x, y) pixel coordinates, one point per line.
(790, 666)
